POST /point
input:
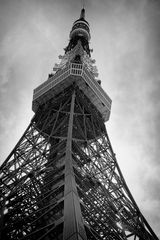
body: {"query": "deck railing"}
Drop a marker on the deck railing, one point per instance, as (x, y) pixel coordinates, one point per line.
(76, 70)
(70, 69)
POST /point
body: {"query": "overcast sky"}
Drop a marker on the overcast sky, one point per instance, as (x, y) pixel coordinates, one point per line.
(125, 37)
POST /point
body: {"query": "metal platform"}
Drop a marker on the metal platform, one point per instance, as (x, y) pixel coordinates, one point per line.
(85, 80)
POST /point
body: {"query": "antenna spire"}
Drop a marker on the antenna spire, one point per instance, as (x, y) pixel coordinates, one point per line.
(83, 3)
(82, 13)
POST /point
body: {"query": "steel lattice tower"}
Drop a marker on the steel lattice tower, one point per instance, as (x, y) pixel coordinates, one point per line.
(62, 180)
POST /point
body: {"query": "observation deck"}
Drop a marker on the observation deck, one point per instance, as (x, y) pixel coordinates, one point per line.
(83, 78)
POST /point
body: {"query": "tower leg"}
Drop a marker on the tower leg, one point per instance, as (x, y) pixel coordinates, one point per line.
(73, 222)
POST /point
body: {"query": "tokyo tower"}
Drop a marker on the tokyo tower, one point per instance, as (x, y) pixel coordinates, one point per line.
(62, 179)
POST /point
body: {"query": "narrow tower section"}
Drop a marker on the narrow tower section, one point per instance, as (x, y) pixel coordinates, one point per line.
(62, 180)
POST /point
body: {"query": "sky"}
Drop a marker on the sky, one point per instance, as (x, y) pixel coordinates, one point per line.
(125, 37)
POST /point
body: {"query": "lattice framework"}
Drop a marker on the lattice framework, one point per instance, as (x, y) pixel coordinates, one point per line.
(35, 177)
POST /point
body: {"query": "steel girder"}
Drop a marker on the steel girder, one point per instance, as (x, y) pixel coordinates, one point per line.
(62, 180)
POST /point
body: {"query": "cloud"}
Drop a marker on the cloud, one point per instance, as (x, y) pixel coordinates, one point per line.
(26, 52)
(128, 63)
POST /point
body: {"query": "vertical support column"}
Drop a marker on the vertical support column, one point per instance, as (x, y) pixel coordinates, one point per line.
(73, 222)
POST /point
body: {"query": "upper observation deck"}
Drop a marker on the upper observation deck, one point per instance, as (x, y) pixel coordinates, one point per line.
(83, 78)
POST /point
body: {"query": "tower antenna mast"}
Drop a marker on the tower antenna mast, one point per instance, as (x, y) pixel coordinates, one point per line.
(83, 3)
